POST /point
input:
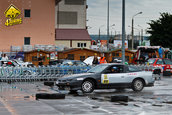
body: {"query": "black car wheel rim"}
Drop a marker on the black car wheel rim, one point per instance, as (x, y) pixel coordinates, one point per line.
(87, 86)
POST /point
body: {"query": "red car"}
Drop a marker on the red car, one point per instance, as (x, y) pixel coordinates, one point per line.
(166, 64)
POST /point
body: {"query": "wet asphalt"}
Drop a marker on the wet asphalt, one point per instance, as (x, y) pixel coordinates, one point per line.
(19, 99)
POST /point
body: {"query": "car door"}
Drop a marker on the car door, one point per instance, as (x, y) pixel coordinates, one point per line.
(114, 77)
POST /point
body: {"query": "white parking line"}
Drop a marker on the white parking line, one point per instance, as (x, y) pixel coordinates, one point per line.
(107, 111)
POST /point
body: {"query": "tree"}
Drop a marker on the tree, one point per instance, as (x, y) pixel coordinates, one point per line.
(161, 31)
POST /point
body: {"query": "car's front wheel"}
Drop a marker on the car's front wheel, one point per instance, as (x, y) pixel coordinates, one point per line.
(87, 86)
(138, 85)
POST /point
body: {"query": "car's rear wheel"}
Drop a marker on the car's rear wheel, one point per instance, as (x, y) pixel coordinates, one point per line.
(138, 85)
(87, 86)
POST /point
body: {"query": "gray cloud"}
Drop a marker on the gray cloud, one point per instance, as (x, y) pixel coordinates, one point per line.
(97, 13)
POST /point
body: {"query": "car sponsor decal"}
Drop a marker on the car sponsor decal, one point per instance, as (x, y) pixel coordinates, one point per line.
(132, 74)
(105, 79)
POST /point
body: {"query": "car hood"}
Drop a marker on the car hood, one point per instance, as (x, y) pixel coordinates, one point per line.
(76, 75)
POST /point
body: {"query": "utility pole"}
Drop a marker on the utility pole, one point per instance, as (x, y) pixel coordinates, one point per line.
(123, 31)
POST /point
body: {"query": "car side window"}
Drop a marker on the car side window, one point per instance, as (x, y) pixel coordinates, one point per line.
(159, 61)
(133, 69)
(115, 69)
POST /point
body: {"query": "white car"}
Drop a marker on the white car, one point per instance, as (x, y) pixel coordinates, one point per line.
(23, 64)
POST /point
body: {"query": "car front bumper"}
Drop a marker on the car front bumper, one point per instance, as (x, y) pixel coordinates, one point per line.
(75, 85)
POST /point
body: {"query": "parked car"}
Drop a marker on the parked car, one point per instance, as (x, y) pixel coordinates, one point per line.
(70, 66)
(166, 64)
(107, 76)
(56, 62)
(23, 64)
(8, 63)
(89, 60)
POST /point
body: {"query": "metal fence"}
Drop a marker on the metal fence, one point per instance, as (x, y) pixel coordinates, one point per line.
(38, 73)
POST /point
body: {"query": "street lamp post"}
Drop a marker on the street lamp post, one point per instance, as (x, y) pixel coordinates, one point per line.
(141, 33)
(132, 28)
(112, 28)
(108, 25)
(100, 31)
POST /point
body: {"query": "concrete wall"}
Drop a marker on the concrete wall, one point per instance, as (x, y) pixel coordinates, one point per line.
(40, 26)
(81, 18)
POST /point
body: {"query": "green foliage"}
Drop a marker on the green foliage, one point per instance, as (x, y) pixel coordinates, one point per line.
(161, 31)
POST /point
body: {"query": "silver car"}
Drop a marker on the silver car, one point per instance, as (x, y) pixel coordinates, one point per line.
(107, 76)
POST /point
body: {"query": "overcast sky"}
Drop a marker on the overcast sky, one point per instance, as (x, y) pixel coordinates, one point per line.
(97, 14)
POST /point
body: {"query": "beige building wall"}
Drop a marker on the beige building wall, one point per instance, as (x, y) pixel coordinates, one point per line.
(74, 43)
(39, 27)
(62, 43)
(81, 15)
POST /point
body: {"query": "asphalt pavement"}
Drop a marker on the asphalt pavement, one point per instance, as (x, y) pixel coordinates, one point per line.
(19, 99)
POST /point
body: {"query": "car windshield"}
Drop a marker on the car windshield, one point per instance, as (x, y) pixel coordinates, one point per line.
(151, 61)
(97, 69)
(79, 63)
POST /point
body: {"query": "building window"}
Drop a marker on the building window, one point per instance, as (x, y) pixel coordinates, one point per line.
(27, 41)
(67, 17)
(34, 58)
(82, 58)
(79, 45)
(74, 2)
(115, 54)
(82, 45)
(27, 13)
(70, 56)
(85, 45)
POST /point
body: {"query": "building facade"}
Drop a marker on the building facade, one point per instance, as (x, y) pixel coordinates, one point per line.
(70, 21)
(26, 22)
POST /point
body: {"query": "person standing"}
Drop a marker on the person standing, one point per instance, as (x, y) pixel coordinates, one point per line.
(160, 51)
(95, 60)
(4, 57)
(102, 59)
